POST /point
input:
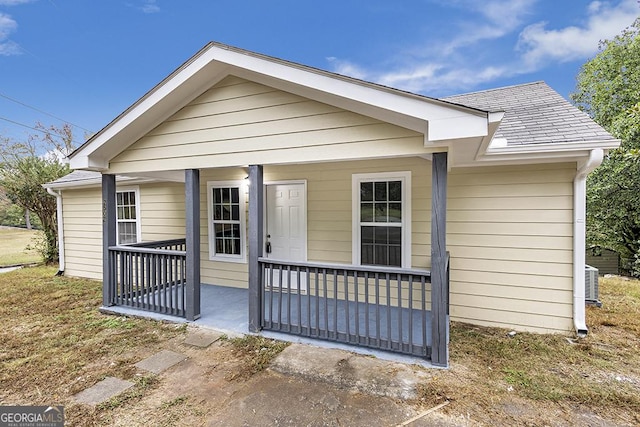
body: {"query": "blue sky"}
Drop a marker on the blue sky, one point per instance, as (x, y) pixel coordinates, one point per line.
(85, 61)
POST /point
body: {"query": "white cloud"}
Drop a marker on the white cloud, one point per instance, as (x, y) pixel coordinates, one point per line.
(149, 6)
(8, 26)
(501, 18)
(473, 56)
(347, 68)
(541, 45)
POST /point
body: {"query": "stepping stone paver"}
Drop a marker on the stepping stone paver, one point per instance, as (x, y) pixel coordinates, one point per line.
(161, 361)
(102, 391)
(202, 339)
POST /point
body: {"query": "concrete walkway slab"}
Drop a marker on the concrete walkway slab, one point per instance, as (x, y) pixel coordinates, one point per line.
(348, 370)
(161, 361)
(202, 339)
(102, 391)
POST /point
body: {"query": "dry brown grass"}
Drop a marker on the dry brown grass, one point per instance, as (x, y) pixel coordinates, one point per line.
(535, 379)
(55, 343)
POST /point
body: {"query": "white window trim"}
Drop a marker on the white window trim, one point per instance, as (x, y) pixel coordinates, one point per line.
(242, 198)
(136, 190)
(356, 179)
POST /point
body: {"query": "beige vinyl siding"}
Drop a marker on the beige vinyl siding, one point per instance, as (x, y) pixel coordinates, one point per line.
(162, 211)
(510, 237)
(82, 222)
(238, 122)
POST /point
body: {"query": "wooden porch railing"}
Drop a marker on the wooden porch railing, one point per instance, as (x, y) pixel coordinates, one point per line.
(149, 276)
(380, 308)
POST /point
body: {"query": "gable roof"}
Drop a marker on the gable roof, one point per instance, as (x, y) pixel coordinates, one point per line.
(535, 114)
(532, 121)
(438, 120)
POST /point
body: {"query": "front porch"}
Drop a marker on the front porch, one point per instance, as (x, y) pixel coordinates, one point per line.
(373, 307)
(396, 309)
(225, 309)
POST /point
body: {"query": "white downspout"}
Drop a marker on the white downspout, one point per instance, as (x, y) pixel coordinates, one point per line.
(579, 237)
(58, 196)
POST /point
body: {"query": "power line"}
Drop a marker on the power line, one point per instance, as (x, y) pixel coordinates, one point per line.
(39, 130)
(43, 112)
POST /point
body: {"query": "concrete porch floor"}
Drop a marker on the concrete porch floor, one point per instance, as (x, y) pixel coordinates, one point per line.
(225, 309)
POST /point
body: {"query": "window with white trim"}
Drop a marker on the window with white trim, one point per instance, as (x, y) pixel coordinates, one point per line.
(227, 227)
(127, 216)
(381, 219)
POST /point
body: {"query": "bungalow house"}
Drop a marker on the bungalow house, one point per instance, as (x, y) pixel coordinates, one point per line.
(348, 211)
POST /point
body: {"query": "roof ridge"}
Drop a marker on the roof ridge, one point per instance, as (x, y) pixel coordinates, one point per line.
(537, 82)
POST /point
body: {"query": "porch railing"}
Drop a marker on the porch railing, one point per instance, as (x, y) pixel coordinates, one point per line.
(380, 308)
(150, 276)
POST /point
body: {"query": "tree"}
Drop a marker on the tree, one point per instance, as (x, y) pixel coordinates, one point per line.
(25, 166)
(608, 90)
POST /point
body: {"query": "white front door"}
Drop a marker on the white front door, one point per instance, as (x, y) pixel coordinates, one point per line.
(286, 228)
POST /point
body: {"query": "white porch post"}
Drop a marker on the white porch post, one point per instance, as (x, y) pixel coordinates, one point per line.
(108, 236)
(192, 239)
(256, 200)
(439, 274)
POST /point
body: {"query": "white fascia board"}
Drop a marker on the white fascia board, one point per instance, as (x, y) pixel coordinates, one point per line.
(550, 148)
(576, 152)
(457, 128)
(87, 163)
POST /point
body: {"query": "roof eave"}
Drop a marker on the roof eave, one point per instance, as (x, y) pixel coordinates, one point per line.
(535, 153)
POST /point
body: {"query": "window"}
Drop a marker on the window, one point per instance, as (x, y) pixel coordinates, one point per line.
(381, 219)
(128, 222)
(227, 207)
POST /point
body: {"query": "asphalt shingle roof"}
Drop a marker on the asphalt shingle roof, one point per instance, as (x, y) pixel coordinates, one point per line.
(77, 176)
(535, 114)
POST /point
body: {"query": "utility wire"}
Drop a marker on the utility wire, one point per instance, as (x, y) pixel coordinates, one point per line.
(39, 130)
(43, 112)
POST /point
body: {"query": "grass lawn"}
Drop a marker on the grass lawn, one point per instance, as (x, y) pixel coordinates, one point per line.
(55, 343)
(13, 244)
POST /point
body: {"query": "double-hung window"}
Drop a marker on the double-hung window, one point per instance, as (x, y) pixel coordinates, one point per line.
(128, 216)
(227, 229)
(381, 219)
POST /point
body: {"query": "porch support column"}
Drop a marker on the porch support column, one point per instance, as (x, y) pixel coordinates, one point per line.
(192, 238)
(439, 263)
(256, 207)
(108, 236)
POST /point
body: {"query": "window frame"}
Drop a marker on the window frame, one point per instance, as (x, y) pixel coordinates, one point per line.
(136, 191)
(241, 185)
(405, 223)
